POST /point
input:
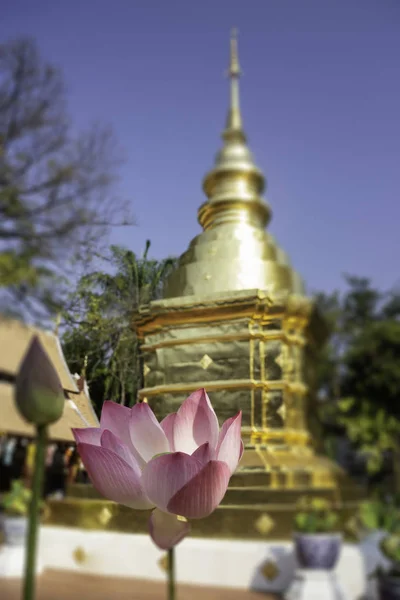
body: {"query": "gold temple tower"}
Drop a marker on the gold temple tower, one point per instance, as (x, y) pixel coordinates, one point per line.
(235, 320)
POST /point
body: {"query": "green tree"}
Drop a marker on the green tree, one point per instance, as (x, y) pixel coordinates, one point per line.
(100, 321)
(370, 409)
(345, 315)
(56, 188)
(359, 370)
(86, 356)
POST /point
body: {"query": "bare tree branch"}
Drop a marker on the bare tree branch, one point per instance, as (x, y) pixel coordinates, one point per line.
(56, 188)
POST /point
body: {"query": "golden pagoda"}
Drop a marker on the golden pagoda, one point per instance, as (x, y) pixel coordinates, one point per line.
(235, 320)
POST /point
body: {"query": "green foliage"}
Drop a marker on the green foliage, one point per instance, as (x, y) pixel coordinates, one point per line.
(100, 328)
(390, 547)
(384, 515)
(376, 514)
(346, 315)
(359, 372)
(55, 187)
(315, 515)
(371, 414)
(16, 501)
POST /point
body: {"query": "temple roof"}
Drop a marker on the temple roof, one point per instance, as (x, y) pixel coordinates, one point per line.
(15, 338)
(78, 411)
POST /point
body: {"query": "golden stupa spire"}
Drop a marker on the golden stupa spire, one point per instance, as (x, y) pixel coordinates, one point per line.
(235, 185)
(234, 120)
(234, 251)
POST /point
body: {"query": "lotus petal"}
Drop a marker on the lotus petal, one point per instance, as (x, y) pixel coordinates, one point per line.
(167, 530)
(202, 494)
(117, 418)
(167, 425)
(229, 443)
(163, 476)
(111, 442)
(196, 423)
(147, 435)
(87, 435)
(112, 477)
(204, 453)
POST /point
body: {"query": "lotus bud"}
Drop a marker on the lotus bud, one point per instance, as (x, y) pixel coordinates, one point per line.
(38, 391)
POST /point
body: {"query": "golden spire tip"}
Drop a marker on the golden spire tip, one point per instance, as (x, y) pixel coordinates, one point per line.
(234, 120)
(234, 67)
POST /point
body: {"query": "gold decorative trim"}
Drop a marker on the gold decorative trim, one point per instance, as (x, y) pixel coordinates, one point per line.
(79, 555)
(251, 374)
(164, 313)
(270, 570)
(261, 349)
(280, 359)
(264, 524)
(146, 370)
(286, 302)
(226, 337)
(206, 361)
(163, 563)
(105, 516)
(225, 384)
(282, 410)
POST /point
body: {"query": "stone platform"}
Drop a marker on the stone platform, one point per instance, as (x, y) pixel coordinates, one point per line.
(266, 566)
(12, 562)
(261, 565)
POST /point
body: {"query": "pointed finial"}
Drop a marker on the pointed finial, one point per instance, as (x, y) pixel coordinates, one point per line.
(234, 67)
(234, 120)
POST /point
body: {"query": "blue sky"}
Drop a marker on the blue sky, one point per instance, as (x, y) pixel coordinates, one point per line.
(320, 101)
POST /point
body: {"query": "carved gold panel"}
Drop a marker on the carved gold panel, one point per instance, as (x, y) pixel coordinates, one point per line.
(206, 361)
(264, 524)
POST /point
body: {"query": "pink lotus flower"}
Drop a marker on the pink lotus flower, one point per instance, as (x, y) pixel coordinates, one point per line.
(179, 467)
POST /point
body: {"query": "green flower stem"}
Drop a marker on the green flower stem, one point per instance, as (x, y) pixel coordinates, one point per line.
(171, 574)
(34, 513)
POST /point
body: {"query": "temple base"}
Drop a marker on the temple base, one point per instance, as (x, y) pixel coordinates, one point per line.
(258, 565)
(12, 562)
(260, 502)
(253, 508)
